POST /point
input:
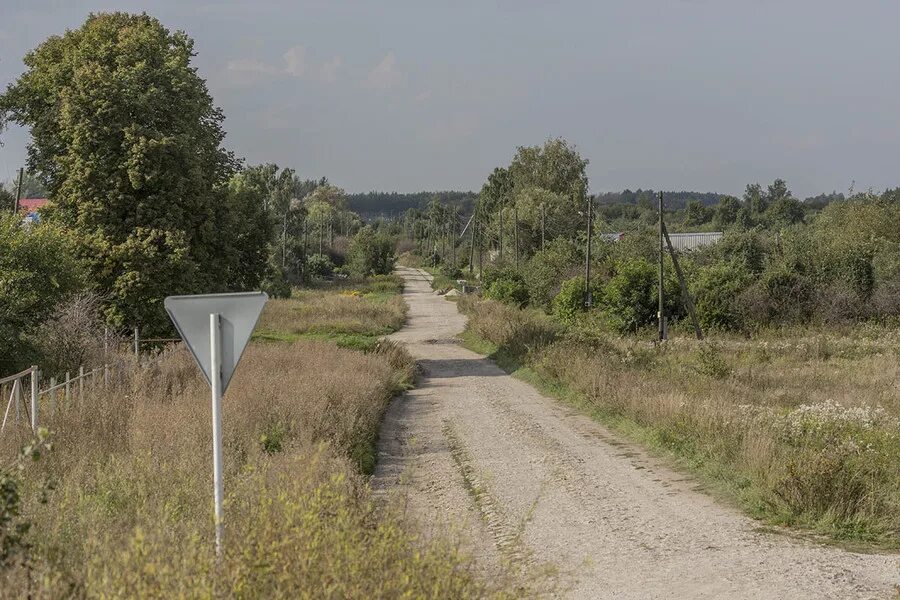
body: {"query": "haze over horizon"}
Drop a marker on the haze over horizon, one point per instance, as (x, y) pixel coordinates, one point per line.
(674, 94)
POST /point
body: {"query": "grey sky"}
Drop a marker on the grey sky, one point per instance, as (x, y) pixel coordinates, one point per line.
(666, 94)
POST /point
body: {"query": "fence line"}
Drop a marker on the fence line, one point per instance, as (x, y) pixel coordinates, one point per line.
(68, 385)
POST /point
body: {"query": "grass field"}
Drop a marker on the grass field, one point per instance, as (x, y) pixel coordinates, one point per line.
(352, 314)
(121, 507)
(798, 428)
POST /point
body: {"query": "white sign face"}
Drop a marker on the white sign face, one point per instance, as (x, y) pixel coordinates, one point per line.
(238, 316)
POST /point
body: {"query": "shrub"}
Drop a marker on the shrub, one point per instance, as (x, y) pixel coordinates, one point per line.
(570, 301)
(74, 335)
(548, 268)
(319, 266)
(715, 288)
(744, 248)
(630, 297)
(371, 253)
(505, 285)
(276, 283)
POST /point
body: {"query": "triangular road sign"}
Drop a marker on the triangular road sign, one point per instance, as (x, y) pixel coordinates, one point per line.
(238, 315)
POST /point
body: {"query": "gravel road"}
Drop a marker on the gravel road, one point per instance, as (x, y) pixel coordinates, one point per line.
(523, 480)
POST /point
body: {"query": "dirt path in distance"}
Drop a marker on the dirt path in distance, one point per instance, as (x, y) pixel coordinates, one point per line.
(525, 480)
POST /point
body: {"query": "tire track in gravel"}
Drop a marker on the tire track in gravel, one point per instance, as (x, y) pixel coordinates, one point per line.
(519, 478)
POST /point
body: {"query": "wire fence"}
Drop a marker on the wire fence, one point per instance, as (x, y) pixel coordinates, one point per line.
(71, 387)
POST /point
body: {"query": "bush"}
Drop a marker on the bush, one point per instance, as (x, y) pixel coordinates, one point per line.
(371, 253)
(548, 268)
(276, 283)
(630, 297)
(744, 248)
(505, 285)
(715, 288)
(319, 266)
(74, 335)
(569, 302)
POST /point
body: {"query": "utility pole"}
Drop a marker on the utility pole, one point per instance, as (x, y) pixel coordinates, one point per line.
(472, 245)
(500, 245)
(18, 192)
(481, 251)
(516, 233)
(660, 313)
(284, 241)
(453, 227)
(588, 301)
(542, 226)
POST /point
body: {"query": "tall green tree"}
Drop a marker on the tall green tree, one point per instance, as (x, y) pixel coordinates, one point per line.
(126, 136)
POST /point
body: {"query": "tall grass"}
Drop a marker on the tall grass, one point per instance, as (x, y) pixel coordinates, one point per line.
(128, 512)
(800, 428)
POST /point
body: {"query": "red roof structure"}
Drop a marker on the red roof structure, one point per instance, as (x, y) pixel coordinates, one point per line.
(29, 205)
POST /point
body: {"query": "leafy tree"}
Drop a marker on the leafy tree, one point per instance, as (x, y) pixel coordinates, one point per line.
(556, 167)
(371, 253)
(726, 212)
(37, 271)
(127, 138)
(755, 199)
(696, 213)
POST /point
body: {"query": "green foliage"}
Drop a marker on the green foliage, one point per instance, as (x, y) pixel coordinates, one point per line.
(548, 268)
(319, 266)
(371, 253)
(505, 285)
(726, 212)
(630, 298)
(696, 213)
(275, 283)
(126, 136)
(14, 527)
(710, 362)
(569, 303)
(37, 271)
(715, 288)
(746, 249)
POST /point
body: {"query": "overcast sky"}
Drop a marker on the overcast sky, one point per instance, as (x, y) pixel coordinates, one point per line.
(703, 95)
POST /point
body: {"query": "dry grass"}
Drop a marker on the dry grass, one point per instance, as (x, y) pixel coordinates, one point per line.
(801, 428)
(130, 514)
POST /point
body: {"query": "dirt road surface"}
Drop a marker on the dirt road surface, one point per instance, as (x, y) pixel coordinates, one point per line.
(525, 481)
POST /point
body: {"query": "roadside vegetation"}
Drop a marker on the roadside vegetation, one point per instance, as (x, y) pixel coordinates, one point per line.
(353, 314)
(121, 507)
(789, 407)
(800, 427)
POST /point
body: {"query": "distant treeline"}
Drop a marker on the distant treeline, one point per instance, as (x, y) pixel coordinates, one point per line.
(679, 200)
(674, 200)
(370, 205)
(393, 204)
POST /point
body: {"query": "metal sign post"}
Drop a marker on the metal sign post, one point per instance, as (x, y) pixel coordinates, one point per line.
(216, 329)
(215, 352)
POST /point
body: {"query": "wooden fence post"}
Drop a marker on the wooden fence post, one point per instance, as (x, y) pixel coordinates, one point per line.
(81, 383)
(53, 395)
(68, 389)
(35, 390)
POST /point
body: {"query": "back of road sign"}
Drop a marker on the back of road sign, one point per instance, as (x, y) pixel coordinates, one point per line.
(238, 316)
